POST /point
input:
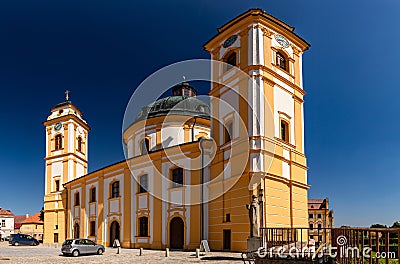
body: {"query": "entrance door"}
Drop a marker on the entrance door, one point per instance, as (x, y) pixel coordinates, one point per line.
(176, 233)
(114, 232)
(227, 240)
(76, 231)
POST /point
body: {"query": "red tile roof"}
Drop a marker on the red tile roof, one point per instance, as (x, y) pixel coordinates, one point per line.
(34, 219)
(18, 219)
(316, 204)
(5, 212)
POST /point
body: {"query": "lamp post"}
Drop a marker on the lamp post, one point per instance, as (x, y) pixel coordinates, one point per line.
(261, 208)
(201, 141)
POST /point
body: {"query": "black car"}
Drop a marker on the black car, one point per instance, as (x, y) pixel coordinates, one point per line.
(21, 239)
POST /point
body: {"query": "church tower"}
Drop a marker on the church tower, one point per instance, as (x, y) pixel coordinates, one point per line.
(66, 159)
(270, 103)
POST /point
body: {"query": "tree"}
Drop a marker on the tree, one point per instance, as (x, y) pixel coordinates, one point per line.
(396, 225)
(42, 214)
(378, 226)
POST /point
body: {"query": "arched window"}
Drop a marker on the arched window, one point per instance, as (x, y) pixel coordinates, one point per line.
(115, 189)
(230, 60)
(79, 144)
(228, 131)
(177, 177)
(58, 142)
(281, 61)
(143, 183)
(93, 195)
(145, 146)
(77, 199)
(284, 131)
(143, 226)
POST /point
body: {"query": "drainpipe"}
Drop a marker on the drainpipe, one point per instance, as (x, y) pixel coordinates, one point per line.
(67, 214)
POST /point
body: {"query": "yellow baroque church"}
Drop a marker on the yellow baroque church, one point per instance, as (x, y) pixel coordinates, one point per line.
(117, 201)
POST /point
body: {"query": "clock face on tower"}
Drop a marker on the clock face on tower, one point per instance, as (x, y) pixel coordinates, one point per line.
(282, 40)
(57, 126)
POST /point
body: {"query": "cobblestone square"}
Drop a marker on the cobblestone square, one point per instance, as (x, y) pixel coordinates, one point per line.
(42, 254)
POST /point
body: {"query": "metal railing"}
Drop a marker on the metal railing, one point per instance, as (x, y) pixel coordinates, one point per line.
(340, 245)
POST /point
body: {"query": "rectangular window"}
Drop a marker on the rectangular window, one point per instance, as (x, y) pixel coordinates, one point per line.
(228, 132)
(143, 226)
(93, 195)
(55, 237)
(319, 226)
(311, 216)
(143, 185)
(115, 190)
(228, 218)
(177, 177)
(319, 216)
(93, 228)
(56, 227)
(57, 185)
(3, 223)
(284, 131)
(311, 226)
(77, 202)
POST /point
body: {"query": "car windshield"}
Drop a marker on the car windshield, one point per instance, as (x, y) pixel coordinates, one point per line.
(67, 242)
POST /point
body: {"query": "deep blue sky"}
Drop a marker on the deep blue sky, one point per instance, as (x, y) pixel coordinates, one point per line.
(101, 50)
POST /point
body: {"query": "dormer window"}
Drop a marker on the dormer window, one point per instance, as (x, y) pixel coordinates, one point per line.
(281, 61)
(58, 142)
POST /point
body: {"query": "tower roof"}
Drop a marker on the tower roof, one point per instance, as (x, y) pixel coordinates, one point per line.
(257, 15)
(64, 110)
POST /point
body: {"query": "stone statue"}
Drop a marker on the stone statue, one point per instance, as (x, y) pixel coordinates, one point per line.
(254, 215)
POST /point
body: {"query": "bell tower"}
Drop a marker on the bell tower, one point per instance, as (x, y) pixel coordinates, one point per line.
(66, 159)
(270, 103)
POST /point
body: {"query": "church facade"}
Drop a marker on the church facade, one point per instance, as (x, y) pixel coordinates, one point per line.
(125, 200)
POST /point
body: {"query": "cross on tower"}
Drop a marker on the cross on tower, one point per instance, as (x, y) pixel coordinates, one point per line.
(67, 95)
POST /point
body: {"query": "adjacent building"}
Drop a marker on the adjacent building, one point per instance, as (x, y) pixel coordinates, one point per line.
(320, 219)
(118, 201)
(33, 226)
(18, 219)
(6, 223)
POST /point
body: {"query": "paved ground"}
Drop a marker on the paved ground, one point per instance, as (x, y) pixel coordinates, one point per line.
(41, 254)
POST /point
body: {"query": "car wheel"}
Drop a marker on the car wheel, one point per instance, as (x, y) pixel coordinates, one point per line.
(16, 244)
(75, 253)
(100, 251)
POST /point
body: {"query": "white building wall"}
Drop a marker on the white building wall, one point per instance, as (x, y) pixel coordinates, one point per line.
(6, 225)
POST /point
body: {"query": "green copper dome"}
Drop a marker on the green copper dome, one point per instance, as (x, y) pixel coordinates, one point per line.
(175, 105)
(182, 102)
